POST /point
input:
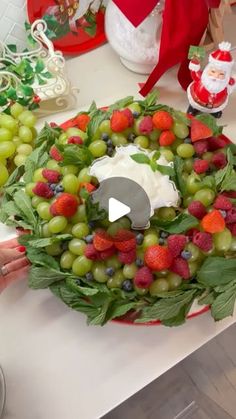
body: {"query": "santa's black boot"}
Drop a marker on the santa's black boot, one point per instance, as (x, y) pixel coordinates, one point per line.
(192, 111)
(217, 114)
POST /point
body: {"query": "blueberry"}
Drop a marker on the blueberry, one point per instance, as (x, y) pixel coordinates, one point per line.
(59, 188)
(139, 262)
(186, 254)
(136, 114)
(139, 238)
(110, 271)
(187, 141)
(89, 238)
(64, 245)
(78, 282)
(92, 224)
(223, 213)
(161, 241)
(109, 143)
(131, 137)
(127, 285)
(105, 136)
(110, 151)
(164, 234)
(89, 276)
(53, 186)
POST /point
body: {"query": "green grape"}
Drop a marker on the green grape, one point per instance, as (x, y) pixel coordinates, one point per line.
(136, 125)
(38, 177)
(105, 223)
(29, 189)
(169, 156)
(84, 176)
(54, 249)
(67, 259)
(185, 150)
(62, 139)
(193, 184)
(57, 224)
(3, 161)
(176, 144)
(81, 266)
(188, 165)
(154, 146)
(193, 268)
(20, 159)
(34, 132)
(8, 122)
(53, 165)
(135, 107)
(180, 129)
(80, 215)
(158, 286)
(98, 148)
(69, 170)
(3, 174)
(142, 141)
(233, 243)
(149, 240)
(16, 109)
(68, 229)
(80, 230)
(155, 135)
(77, 246)
(36, 200)
(25, 134)
(141, 291)
(187, 200)
(174, 280)
(70, 184)
(125, 223)
(114, 228)
(118, 139)
(116, 280)
(140, 252)
(166, 213)
(129, 271)
(205, 196)
(43, 210)
(105, 127)
(195, 252)
(99, 272)
(24, 149)
(27, 118)
(207, 156)
(16, 141)
(113, 262)
(5, 134)
(161, 274)
(45, 230)
(7, 149)
(76, 132)
(223, 240)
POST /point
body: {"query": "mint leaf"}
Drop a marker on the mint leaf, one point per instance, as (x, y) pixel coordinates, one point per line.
(140, 158)
(94, 213)
(36, 159)
(24, 203)
(165, 170)
(40, 258)
(47, 241)
(93, 125)
(14, 177)
(229, 182)
(122, 103)
(180, 224)
(179, 180)
(119, 308)
(84, 290)
(217, 271)
(78, 156)
(207, 298)
(181, 117)
(223, 306)
(42, 277)
(48, 136)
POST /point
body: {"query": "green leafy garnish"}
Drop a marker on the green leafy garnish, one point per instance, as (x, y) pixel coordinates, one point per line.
(181, 224)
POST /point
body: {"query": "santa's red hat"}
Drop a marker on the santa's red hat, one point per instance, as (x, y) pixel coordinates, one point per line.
(221, 57)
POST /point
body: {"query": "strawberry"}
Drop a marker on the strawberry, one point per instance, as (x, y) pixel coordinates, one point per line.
(66, 204)
(102, 240)
(166, 138)
(82, 121)
(53, 176)
(162, 120)
(199, 131)
(43, 189)
(55, 153)
(125, 240)
(75, 140)
(53, 210)
(158, 258)
(88, 186)
(213, 222)
(181, 268)
(119, 121)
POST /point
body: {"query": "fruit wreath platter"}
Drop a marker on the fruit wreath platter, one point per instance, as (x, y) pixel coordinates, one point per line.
(109, 270)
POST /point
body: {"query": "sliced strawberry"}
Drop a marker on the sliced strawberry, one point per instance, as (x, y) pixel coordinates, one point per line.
(199, 130)
(102, 240)
(124, 240)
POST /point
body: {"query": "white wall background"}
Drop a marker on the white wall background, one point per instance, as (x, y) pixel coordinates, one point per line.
(12, 17)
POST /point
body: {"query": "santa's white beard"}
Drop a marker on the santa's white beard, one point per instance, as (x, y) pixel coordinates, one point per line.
(212, 84)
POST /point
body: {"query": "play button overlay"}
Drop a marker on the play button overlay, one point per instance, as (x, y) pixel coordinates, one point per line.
(121, 196)
(116, 209)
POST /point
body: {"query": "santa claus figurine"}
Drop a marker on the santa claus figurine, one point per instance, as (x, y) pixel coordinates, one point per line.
(210, 89)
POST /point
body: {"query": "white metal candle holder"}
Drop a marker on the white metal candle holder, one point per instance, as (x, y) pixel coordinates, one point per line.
(56, 94)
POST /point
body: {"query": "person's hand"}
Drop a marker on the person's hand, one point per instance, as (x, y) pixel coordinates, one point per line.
(13, 263)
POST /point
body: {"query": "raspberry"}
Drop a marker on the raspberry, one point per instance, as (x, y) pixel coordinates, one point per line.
(199, 131)
(162, 120)
(222, 203)
(125, 240)
(53, 125)
(213, 222)
(105, 254)
(55, 153)
(42, 189)
(230, 194)
(119, 121)
(200, 166)
(75, 140)
(127, 112)
(102, 240)
(231, 216)
(203, 240)
(219, 160)
(127, 257)
(51, 175)
(176, 244)
(88, 186)
(191, 233)
(158, 258)
(53, 210)
(181, 268)
(201, 147)
(82, 121)
(214, 143)
(146, 125)
(91, 253)
(232, 228)
(66, 205)
(166, 138)
(143, 278)
(197, 209)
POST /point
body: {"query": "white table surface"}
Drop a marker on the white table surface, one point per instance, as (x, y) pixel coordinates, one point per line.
(55, 366)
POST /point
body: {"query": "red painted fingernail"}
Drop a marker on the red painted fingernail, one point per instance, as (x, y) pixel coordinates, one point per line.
(21, 249)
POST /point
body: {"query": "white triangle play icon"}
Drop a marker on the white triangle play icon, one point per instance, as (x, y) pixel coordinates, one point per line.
(116, 209)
